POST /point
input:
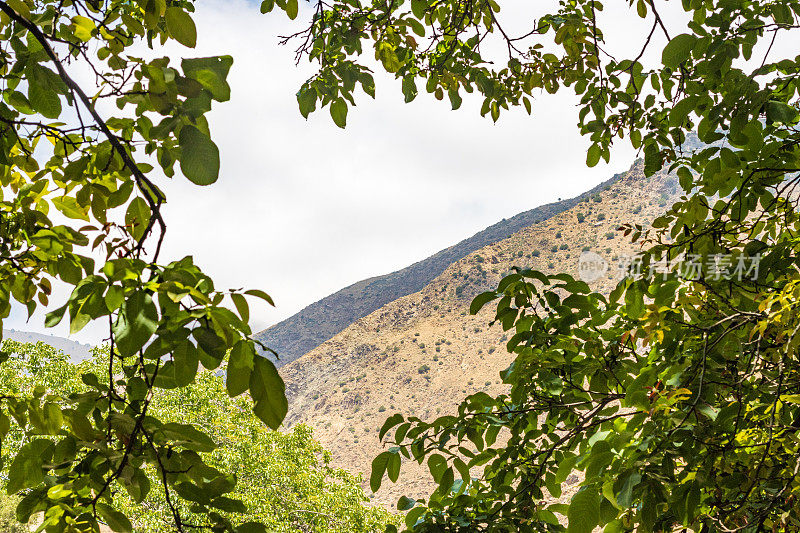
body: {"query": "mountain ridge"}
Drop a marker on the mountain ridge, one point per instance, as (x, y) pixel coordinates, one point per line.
(323, 319)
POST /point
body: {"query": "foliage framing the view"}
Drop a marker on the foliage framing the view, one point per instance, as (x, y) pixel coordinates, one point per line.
(284, 480)
(677, 398)
(79, 166)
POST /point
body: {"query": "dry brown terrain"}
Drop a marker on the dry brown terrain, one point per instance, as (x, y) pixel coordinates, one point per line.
(423, 353)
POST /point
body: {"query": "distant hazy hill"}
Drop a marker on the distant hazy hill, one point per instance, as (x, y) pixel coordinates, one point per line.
(75, 350)
(322, 320)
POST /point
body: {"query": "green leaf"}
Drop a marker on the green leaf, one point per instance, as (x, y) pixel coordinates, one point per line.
(393, 467)
(136, 323)
(405, 503)
(187, 436)
(241, 306)
(268, 392)
(390, 422)
(780, 112)
(26, 471)
(211, 73)
(199, 156)
(137, 217)
(114, 519)
(678, 50)
(260, 294)
(584, 512)
(43, 98)
(181, 26)
(339, 112)
(291, 9)
(379, 466)
(240, 366)
(481, 300)
(593, 155)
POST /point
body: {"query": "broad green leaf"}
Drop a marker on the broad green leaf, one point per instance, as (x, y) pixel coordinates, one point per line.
(26, 470)
(137, 217)
(481, 300)
(291, 9)
(379, 466)
(260, 294)
(211, 73)
(339, 112)
(44, 100)
(240, 366)
(267, 390)
(181, 26)
(136, 323)
(116, 520)
(405, 503)
(199, 156)
(678, 50)
(584, 512)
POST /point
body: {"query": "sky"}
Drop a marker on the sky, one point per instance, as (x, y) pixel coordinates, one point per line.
(303, 208)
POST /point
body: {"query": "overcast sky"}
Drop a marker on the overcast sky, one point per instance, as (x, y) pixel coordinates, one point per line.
(303, 208)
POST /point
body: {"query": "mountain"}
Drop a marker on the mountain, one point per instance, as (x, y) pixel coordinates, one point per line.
(422, 353)
(75, 350)
(322, 320)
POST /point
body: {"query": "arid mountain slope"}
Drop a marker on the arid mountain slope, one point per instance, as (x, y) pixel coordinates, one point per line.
(423, 353)
(322, 320)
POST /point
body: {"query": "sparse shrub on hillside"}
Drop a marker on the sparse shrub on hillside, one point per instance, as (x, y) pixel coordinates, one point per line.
(558, 235)
(459, 290)
(422, 345)
(581, 217)
(535, 253)
(586, 248)
(381, 409)
(597, 198)
(601, 216)
(554, 248)
(478, 259)
(610, 235)
(637, 209)
(564, 246)
(424, 369)
(550, 265)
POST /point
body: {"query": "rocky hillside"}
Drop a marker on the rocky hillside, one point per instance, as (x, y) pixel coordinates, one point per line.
(322, 320)
(422, 353)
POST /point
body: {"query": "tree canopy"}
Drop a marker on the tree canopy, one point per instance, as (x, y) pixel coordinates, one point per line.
(80, 164)
(285, 480)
